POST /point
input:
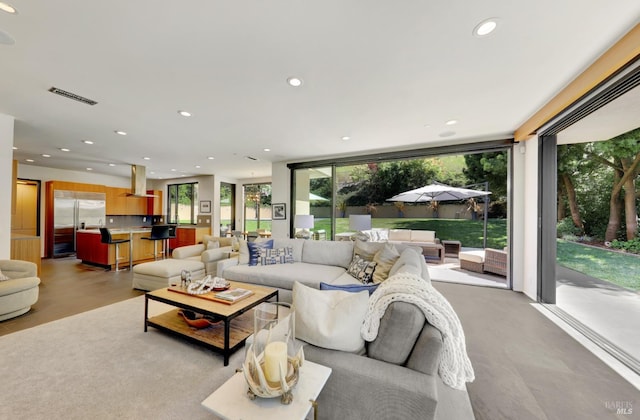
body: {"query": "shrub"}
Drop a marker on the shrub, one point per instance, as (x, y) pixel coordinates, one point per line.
(632, 246)
(566, 228)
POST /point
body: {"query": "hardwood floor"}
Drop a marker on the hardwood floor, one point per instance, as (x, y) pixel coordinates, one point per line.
(67, 288)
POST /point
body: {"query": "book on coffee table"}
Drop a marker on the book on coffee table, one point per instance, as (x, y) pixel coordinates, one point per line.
(233, 295)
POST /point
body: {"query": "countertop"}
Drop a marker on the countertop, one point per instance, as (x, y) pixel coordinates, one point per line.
(118, 231)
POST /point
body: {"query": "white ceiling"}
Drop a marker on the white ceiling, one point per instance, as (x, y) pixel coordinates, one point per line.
(387, 74)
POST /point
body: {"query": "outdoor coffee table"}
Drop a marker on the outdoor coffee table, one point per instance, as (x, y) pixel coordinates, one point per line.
(451, 248)
(230, 401)
(225, 337)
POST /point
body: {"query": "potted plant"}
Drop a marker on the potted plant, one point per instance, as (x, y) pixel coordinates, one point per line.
(474, 207)
(342, 208)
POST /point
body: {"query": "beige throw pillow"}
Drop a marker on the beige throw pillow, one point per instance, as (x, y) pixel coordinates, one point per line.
(213, 244)
(366, 250)
(330, 318)
(385, 259)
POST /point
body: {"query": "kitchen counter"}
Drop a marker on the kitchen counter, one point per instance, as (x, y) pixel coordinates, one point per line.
(91, 250)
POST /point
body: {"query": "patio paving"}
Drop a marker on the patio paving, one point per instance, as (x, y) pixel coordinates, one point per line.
(451, 272)
(609, 310)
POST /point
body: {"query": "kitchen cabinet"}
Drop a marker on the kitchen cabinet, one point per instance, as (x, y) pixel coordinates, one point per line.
(188, 236)
(117, 200)
(136, 206)
(154, 204)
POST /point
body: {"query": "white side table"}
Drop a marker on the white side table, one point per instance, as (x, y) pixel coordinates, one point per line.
(230, 401)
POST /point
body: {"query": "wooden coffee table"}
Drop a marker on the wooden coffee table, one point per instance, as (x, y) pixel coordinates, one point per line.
(227, 336)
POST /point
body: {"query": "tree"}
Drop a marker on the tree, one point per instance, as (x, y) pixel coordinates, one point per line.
(488, 167)
(570, 158)
(622, 154)
(378, 182)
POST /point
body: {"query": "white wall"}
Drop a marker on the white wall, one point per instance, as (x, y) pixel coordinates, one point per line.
(525, 219)
(6, 176)
(206, 191)
(281, 193)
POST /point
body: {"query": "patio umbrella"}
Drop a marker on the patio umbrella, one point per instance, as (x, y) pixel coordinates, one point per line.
(437, 192)
(442, 192)
(315, 197)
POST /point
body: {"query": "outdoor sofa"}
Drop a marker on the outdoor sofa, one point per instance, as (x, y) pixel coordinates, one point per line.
(394, 376)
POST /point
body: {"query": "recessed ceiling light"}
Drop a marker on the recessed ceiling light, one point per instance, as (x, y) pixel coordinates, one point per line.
(146, 158)
(485, 27)
(7, 8)
(152, 173)
(184, 113)
(198, 166)
(173, 170)
(345, 138)
(46, 155)
(87, 141)
(29, 160)
(210, 157)
(15, 148)
(183, 175)
(266, 149)
(447, 134)
(64, 149)
(122, 133)
(112, 164)
(89, 169)
(452, 122)
(294, 81)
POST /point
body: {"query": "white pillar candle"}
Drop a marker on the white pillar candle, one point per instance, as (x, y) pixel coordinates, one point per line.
(275, 354)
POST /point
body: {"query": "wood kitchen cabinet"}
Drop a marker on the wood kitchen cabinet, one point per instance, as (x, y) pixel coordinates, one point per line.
(116, 201)
(188, 236)
(154, 204)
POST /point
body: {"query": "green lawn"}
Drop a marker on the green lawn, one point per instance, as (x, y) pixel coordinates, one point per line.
(616, 267)
(469, 232)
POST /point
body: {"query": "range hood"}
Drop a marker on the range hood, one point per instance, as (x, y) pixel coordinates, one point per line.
(139, 182)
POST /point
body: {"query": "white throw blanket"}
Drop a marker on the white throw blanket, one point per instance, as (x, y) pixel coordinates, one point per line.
(455, 367)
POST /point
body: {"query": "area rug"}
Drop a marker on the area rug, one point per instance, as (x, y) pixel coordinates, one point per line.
(101, 365)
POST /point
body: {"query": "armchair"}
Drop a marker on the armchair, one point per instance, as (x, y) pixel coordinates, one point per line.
(21, 290)
(205, 252)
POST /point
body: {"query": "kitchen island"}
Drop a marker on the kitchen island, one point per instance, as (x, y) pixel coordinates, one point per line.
(91, 250)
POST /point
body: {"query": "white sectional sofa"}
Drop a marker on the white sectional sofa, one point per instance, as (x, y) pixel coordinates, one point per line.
(397, 377)
(314, 262)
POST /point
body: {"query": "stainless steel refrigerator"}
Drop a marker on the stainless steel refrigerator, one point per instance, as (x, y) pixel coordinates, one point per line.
(73, 211)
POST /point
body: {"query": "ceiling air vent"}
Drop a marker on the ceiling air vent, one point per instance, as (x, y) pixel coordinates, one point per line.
(72, 96)
(250, 158)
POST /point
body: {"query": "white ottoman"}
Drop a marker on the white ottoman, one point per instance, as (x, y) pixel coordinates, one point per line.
(158, 274)
(472, 260)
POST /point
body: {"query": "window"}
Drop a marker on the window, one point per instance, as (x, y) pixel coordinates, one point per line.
(257, 207)
(227, 206)
(182, 203)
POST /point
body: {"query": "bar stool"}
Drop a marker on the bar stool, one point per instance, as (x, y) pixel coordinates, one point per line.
(172, 235)
(105, 238)
(158, 233)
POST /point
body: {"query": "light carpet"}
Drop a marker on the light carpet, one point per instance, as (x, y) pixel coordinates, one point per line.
(102, 365)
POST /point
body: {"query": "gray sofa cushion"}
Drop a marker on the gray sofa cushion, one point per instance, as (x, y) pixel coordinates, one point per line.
(399, 329)
(364, 388)
(426, 354)
(283, 275)
(337, 253)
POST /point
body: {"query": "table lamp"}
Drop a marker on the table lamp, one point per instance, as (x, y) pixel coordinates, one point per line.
(358, 223)
(304, 222)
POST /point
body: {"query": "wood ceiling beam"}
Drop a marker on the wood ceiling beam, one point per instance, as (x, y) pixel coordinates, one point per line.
(620, 54)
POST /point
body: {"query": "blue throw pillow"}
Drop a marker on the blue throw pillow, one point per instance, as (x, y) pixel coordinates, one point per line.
(254, 250)
(353, 288)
